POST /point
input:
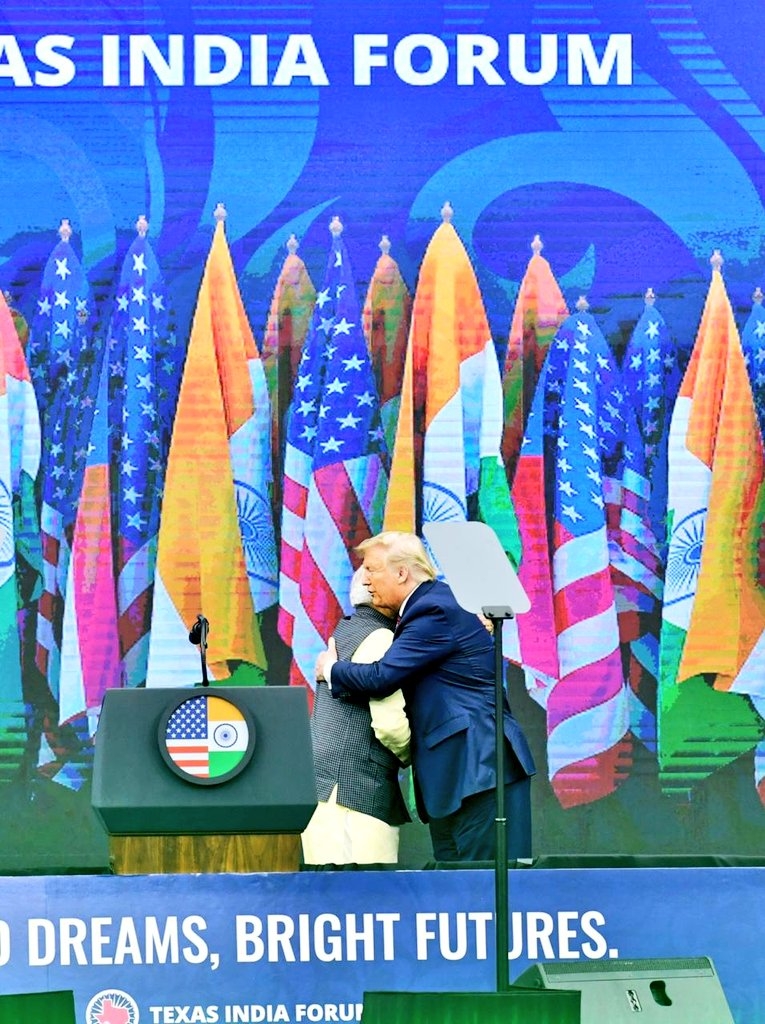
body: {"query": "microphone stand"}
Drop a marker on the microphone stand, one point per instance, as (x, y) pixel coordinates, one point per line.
(198, 635)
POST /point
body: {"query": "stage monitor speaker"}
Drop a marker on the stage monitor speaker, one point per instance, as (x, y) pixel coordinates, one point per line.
(672, 991)
(38, 1008)
(517, 1006)
(265, 785)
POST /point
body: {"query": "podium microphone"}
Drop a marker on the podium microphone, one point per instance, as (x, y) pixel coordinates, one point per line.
(199, 630)
(198, 635)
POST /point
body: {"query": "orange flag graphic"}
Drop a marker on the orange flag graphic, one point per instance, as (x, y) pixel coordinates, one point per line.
(201, 566)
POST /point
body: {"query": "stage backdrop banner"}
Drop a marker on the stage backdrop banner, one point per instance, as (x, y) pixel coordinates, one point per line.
(515, 156)
(305, 947)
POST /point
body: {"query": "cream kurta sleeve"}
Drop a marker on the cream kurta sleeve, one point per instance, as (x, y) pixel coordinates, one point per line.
(389, 722)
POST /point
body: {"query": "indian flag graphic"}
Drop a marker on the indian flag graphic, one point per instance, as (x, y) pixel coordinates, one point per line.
(207, 737)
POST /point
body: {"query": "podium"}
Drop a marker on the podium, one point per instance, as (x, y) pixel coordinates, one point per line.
(204, 779)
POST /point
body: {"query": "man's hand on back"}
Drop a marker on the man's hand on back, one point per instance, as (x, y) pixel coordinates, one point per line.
(325, 661)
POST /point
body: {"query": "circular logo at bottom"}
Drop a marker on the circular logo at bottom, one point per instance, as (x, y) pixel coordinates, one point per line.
(112, 1006)
(206, 739)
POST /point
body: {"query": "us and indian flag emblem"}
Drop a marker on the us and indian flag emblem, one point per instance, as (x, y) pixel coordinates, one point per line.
(208, 738)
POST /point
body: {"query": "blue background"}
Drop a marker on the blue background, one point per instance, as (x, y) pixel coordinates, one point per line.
(648, 913)
(630, 187)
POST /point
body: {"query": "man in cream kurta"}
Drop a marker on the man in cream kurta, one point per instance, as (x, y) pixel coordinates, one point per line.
(358, 751)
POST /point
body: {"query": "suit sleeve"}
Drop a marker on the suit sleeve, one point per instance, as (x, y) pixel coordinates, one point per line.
(424, 639)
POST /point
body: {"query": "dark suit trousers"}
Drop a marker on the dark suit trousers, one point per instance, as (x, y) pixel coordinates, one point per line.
(469, 833)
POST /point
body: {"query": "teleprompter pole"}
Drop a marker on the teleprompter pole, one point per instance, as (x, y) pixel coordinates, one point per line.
(484, 581)
(497, 615)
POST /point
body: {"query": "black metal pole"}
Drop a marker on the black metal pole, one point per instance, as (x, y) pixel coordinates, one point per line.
(497, 617)
(198, 635)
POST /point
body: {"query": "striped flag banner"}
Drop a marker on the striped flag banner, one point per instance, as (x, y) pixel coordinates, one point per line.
(334, 477)
(569, 642)
(530, 640)
(63, 331)
(89, 647)
(637, 574)
(386, 317)
(209, 560)
(651, 379)
(13, 733)
(68, 417)
(145, 367)
(446, 461)
(539, 311)
(25, 441)
(289, 319)
(714, 610)
(753, 346)
(63, 307)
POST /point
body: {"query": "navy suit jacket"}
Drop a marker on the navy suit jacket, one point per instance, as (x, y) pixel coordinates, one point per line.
(443, 658)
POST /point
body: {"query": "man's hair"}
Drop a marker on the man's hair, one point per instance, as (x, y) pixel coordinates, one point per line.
(402, 548)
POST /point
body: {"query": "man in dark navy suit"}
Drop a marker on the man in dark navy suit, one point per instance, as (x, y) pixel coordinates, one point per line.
(442, 656)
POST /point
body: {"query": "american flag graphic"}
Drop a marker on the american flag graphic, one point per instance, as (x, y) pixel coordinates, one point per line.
(65, 307)
(573, 443)
(13, 733)
(89, 650)
(65, 361)
(334, 478)
(186, 737)
(145, 365)
(651, 378)
(753, 346)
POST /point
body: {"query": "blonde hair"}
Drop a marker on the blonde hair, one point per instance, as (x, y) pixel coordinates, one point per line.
(402, 548)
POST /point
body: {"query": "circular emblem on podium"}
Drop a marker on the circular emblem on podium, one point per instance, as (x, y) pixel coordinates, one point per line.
(206, 739)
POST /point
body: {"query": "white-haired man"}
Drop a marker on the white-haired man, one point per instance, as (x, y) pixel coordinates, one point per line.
(358, 750)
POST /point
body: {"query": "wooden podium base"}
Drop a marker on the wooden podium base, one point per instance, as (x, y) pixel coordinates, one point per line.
(201, 854)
